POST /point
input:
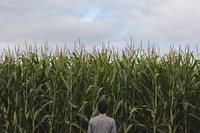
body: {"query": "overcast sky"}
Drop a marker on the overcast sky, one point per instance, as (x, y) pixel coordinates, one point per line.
(162, 22)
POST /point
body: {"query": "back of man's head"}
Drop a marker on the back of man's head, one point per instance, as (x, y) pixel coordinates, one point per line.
(102, 106)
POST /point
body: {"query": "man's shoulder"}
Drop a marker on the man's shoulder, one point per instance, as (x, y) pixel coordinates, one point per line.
(94, 118)
(110, 118)
(102, 117)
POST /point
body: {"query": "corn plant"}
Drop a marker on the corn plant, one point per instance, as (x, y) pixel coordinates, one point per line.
(47, 92)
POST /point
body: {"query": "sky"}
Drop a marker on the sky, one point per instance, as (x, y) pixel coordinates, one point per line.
(162, 23)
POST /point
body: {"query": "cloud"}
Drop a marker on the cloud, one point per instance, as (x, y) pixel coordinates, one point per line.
(171, 20)
(59, 21)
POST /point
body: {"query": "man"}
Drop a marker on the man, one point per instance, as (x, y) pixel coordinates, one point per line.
(102, 123)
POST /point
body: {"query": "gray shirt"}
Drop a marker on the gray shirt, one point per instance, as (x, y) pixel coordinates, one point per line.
(102, 124)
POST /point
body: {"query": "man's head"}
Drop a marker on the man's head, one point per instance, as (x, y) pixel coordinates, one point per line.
(102, 107)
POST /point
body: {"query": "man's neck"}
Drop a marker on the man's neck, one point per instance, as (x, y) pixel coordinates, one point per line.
(102, 114)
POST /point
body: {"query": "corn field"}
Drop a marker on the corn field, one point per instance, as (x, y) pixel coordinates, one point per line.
(45, 92)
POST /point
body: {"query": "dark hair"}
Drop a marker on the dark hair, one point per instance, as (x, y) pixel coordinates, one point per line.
(102, 106)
